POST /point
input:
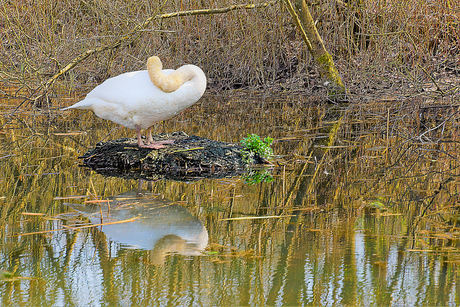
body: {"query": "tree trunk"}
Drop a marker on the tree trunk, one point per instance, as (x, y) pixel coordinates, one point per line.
(314, 43)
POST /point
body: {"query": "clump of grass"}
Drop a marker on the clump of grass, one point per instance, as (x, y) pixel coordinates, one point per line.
(253, 144)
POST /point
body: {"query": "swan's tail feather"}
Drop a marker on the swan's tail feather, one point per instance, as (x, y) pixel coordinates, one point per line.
(85, 104)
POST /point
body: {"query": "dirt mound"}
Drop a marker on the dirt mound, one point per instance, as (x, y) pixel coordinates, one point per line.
(188, 158)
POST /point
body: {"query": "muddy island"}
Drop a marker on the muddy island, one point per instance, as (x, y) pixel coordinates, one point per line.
(188, 158)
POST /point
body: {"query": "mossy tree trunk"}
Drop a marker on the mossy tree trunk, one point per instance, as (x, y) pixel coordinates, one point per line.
(305, 23)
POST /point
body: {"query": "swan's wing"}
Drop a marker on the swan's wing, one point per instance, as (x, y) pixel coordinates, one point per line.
(124, 89)
(127, 89)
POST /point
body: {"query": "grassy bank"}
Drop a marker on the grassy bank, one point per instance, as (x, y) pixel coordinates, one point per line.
(393, 45)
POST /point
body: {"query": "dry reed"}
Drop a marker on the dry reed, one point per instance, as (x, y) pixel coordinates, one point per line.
(380, 44)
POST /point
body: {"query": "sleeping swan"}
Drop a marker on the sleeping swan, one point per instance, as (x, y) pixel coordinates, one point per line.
(139, 99)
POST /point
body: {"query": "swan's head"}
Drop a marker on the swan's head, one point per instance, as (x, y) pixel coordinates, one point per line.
(154, 64)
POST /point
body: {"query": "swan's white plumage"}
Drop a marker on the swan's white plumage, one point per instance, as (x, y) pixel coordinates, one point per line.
(133, 101)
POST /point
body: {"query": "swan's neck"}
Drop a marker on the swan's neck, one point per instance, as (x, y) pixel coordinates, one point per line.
(166, 83)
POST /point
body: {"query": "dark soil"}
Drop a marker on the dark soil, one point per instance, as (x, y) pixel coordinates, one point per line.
(188, 158)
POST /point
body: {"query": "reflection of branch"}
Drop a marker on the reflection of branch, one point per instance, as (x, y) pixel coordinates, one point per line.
(435, 128)
(430, 203)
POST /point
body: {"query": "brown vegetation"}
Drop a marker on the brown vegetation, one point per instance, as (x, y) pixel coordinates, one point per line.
(392, 155)
(376, 45)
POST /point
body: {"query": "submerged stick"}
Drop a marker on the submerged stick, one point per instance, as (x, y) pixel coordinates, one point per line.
(255, 217)
(33, 213)
(76, 228)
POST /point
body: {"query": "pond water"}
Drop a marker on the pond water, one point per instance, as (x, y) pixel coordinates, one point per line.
(354, 214)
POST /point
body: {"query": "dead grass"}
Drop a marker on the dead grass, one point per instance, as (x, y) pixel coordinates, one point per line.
(382, 45)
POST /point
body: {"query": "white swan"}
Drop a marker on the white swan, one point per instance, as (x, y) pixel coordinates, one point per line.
(139, 99)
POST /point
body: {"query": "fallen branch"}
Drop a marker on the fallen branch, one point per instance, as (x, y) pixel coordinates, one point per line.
(137, 31)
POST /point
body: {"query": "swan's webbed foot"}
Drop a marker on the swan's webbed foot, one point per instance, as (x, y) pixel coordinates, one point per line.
(156, 145)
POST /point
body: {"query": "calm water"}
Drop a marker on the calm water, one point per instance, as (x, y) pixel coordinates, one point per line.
(338, 225)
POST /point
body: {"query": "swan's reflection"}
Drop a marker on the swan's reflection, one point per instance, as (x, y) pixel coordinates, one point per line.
(159, 226)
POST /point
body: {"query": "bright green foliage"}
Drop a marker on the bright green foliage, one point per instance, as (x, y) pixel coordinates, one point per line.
(257, 176)
(253, 144)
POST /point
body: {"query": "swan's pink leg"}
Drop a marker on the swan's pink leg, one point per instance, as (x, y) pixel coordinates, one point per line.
(150, 142)
(139, 138)
(149, 135)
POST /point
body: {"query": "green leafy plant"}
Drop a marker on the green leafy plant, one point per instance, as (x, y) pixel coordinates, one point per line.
(256, 176)
(253, 145)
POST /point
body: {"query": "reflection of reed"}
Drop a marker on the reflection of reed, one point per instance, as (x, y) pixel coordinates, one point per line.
(329, 240)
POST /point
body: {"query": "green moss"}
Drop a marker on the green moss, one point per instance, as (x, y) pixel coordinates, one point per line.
(336, 90)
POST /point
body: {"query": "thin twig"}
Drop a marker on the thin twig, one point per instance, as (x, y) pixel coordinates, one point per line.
(76, 228)
(432, 79)
(255, 217)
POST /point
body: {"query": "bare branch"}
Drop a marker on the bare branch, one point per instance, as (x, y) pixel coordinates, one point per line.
(134, 34)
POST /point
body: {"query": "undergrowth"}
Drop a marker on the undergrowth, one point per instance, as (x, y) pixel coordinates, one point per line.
(375, 44)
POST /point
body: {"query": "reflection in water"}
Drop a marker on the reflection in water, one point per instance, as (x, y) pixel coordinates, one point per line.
(159, 226)
(328, 247)
(306, 261)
